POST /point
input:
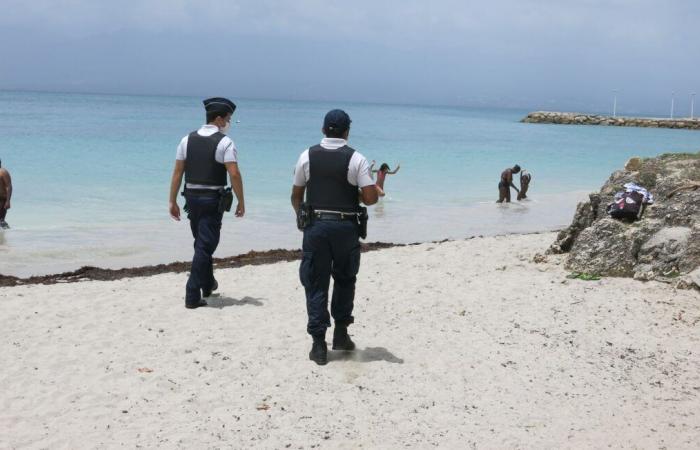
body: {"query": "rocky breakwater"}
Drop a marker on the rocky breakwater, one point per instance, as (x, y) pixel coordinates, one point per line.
(663, 245)
(567, 118)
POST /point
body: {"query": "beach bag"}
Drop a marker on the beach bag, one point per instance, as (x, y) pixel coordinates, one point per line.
(628, 206)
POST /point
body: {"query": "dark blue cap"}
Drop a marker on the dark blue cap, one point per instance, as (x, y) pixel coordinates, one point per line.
(219, 104)
(336, 120)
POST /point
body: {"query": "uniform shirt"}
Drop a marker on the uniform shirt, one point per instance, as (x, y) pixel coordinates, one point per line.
(226, 152)
(358, 170)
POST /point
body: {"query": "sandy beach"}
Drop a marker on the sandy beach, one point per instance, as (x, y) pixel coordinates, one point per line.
(463, 344)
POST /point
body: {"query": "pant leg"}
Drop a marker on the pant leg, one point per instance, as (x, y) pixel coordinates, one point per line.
(205, 222)
(3, 211)
(346, 263)
(210, 235)
(315, 275)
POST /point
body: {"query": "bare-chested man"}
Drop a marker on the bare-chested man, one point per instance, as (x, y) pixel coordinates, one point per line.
(5, 195)
(506, 183)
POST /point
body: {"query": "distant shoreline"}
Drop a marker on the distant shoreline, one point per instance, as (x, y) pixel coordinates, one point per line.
(571, 118)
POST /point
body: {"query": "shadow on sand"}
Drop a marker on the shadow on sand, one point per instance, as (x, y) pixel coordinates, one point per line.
(369, 354)
(216, 301)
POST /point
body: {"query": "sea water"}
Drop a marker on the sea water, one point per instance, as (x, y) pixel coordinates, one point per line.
(91, 173)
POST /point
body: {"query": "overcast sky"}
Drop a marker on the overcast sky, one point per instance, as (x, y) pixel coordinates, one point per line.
(531, 54)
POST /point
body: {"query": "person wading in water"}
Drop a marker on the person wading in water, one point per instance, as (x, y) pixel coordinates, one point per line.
(381, 175)
(506, 183)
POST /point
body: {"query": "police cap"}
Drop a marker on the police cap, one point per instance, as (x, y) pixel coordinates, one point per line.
(336, 120)
(219, 104)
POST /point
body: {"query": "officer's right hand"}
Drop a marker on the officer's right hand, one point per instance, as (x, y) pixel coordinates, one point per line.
(240, 209)
(174, 211)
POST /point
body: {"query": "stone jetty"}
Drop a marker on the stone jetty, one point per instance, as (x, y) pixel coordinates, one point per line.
(568, 118)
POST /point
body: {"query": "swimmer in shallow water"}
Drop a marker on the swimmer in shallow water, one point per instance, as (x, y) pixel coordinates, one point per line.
(525, 178)
(382, 172)
(506, 183)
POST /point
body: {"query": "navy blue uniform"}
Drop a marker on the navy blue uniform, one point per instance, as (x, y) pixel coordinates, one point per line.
(205, 223)
(205, 153)
(331, 243)
(331, 175)
(202, 169)
(331, 248)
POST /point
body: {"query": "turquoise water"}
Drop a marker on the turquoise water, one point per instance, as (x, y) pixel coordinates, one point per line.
(91, 173)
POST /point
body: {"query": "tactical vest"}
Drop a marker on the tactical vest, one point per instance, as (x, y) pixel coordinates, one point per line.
(328, 187)
(201, 166)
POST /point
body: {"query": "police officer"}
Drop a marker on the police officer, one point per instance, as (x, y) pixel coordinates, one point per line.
(330, 174)
(205, 157)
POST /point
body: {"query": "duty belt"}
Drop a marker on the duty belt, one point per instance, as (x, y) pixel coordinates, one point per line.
(322, 214)
(202, 192)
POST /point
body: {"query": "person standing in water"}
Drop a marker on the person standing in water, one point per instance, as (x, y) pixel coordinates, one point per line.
(525, 178)
(383, 171)
(5, 195)
(506, 183)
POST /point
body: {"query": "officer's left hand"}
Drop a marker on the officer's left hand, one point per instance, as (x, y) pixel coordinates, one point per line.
(240, 209)
(175, 211)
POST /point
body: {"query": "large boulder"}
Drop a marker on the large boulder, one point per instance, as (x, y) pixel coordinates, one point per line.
(663, 245)
(663, 253)
(606, 247)
(586, 213)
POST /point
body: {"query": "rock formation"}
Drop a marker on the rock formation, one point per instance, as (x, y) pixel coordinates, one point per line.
(593, 119)
(663, 245)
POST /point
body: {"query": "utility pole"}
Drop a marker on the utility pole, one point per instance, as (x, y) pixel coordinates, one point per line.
(692, 104)
(614, 102)
(673, 94)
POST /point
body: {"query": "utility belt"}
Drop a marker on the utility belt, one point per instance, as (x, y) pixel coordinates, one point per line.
(307, 215)
(224, 194)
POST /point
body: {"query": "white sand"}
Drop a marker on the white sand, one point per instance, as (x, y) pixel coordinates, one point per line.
(462, 344)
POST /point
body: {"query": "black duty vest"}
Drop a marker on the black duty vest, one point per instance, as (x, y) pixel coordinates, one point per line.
(328, 186)
(201, 166)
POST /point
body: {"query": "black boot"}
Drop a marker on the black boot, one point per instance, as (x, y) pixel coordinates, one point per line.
(192, 305)
(319, 350)
(341, 340)
(207, 292)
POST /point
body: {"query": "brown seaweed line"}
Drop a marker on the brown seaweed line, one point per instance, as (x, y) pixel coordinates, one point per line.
(252, 258)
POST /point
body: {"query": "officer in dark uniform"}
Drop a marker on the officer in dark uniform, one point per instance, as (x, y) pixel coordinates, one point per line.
(205, 157)
(335, 178)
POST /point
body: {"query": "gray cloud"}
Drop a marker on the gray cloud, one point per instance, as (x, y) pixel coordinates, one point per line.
(519, 53)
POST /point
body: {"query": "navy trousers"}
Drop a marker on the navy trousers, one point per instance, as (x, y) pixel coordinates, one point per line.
(205, 222)
(331, 248)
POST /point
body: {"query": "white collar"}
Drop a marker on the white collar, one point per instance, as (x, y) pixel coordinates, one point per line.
(334, 141)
